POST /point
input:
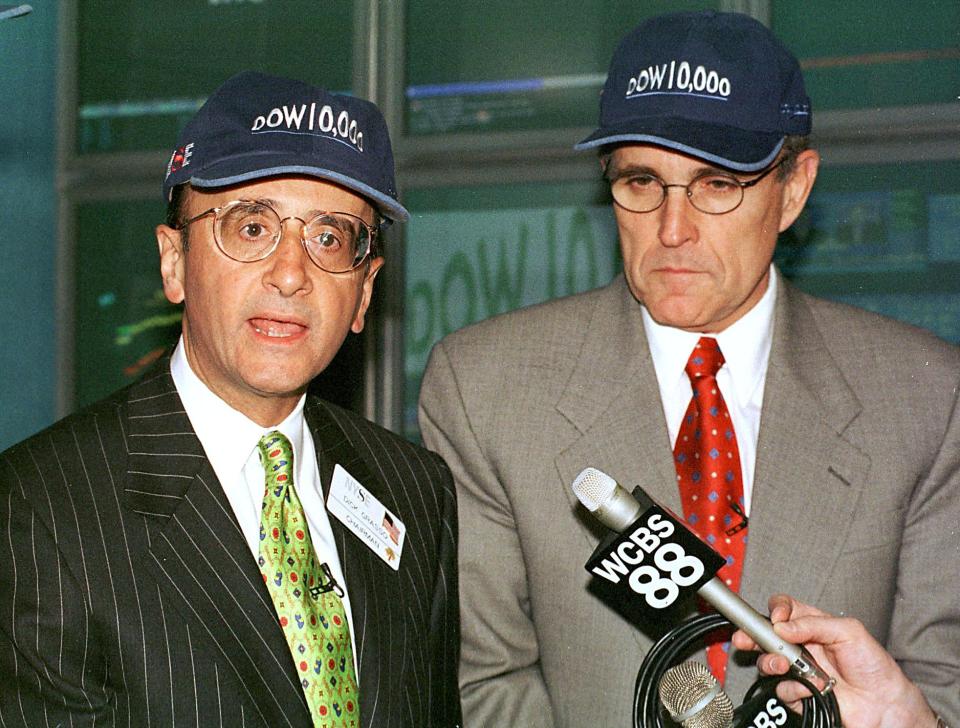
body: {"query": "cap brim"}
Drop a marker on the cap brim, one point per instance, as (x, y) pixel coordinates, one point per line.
(736, 149)
(238, 171)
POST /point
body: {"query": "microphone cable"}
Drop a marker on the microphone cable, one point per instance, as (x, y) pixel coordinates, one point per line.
(819, 710)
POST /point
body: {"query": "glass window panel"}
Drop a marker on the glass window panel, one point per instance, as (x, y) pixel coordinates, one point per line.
(144, 67)
(503, 65)
(475, 252)
(123, 322)
(885, 237)
(897, 54)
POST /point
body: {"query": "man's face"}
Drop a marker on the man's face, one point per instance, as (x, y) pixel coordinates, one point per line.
(257, 333)
(696, 271)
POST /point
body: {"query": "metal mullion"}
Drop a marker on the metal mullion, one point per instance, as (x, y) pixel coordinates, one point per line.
(66, 105)
(384, 364)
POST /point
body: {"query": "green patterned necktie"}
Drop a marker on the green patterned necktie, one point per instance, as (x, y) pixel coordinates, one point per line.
(307, 602)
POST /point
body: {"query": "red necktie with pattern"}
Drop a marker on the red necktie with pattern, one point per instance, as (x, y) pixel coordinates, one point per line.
(308, 606)
(708, 474)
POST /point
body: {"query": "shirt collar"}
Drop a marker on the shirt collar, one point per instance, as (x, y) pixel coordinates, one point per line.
(227, 435)
(745, 345)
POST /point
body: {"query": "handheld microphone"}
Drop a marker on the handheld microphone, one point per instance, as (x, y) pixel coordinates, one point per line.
(694, 699)
(615, 507)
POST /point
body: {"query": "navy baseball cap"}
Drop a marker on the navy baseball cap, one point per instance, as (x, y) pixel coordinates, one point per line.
(13, 11)
(257, 126)
(717, 86)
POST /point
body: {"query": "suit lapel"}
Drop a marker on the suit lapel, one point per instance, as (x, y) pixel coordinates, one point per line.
(197, 553)
(613, 400)
(377, 601)
(808, 477)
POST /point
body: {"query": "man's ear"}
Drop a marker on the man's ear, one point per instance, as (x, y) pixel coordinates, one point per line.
(796, 188)
(604, 160)
(170, 242)
(367, 292)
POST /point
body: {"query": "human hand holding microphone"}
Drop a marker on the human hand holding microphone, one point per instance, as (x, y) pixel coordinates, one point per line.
(870, 687)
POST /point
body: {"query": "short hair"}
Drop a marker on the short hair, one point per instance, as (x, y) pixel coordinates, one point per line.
(175, 214)
(793, 145)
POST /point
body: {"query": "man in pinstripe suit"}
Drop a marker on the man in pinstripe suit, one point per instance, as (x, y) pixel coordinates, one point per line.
(129, 588)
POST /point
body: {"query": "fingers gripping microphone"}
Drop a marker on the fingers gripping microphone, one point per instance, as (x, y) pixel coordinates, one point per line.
(618, 510)
(693, 697)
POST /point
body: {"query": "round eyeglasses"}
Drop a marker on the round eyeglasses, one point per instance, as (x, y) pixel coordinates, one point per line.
(714, 193)
(247, 231)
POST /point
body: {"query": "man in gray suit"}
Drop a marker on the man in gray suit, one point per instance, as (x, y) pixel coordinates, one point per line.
(211, 545)
(840, 440)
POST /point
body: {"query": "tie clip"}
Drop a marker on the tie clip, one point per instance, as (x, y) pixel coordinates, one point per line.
(330, 584)
(743, 522)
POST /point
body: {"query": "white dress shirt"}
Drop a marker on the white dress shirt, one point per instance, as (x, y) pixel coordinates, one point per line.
(746, 350)
(230, 439)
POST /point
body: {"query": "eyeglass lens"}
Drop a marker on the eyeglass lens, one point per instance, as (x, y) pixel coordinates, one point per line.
(248, 231)
(711, 193)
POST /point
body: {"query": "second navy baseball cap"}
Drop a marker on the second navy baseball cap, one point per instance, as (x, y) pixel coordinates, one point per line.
(717, 86)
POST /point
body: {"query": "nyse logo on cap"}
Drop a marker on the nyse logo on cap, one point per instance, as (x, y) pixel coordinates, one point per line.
(318, 121)
(180, 158)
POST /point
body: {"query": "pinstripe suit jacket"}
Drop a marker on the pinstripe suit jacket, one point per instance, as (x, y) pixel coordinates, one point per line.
(856, 498)
(128, 596)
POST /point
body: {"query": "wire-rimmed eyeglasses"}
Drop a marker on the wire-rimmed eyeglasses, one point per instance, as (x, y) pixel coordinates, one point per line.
(249, 230)
(714, 193)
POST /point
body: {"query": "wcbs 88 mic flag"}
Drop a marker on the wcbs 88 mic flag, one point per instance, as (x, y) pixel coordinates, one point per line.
(656, 558)
(652, 554)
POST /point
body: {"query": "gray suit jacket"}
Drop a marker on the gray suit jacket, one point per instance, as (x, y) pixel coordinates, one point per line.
(128, 595)
(856, 500)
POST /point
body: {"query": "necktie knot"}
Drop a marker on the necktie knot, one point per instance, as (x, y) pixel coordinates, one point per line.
(276, 456)
(274, 446)
(705, 359)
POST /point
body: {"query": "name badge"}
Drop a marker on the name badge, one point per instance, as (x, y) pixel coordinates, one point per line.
(366, 517)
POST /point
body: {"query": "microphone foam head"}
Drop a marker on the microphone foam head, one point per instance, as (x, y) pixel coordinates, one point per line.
(694, 698)
(594, 488)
